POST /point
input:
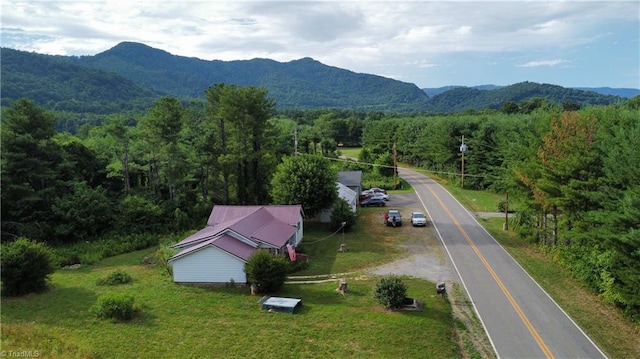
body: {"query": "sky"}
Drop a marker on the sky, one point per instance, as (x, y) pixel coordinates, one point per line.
(428, 43)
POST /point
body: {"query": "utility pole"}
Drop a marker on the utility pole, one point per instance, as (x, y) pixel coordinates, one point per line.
(506, 213)
(463, 149)
(395, 165)
(295, 141)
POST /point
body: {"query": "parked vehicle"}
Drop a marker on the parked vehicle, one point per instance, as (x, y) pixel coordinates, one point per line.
(373, 202)
(384, 196)
(418, 219)
(393, 218)
(373, 190)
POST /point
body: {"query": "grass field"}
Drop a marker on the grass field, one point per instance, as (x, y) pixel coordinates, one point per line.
(176, 321)
(353, 152)
(369, 244)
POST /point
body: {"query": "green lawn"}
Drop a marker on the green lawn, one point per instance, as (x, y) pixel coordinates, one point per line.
(175, 321)
(369, 243)
(353, 152)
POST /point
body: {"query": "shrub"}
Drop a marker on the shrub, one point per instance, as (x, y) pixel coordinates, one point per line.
(114, 278)
(342, 213)
(163, 254)
(26, 266)
(114, 306)
(390, 291)
(267, 271)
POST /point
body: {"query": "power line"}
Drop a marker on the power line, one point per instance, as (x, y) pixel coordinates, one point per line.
(387, 166)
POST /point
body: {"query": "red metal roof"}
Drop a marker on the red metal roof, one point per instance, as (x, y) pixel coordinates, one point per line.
(271, 225)
(286, 213)
(225, 242)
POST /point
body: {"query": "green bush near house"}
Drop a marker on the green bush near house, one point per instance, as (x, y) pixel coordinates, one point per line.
(267, 271)
(390, 291)
(114, 306)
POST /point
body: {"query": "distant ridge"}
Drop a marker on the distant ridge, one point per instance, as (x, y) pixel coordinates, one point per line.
(621, 92)
(129, 76)
(303, 83)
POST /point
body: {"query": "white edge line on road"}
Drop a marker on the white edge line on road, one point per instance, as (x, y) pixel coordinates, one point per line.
(518, 264)
(484, 327)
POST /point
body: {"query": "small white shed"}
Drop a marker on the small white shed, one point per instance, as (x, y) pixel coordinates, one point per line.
(347, 194)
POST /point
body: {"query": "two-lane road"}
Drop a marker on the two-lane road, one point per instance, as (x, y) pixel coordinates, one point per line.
(520, 318)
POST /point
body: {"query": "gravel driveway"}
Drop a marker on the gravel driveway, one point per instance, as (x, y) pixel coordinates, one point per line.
(428, 259)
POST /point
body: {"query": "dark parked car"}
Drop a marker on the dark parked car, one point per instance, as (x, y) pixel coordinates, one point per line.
(373, 202)
(393, 218)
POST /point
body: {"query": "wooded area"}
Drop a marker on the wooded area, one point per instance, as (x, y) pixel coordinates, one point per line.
(161, 171)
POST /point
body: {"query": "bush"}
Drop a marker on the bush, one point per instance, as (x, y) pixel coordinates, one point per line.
(390, 291)
(114, 278)
(114, 306)
(25, 268)
(342, 213)
(267, 271)
(89, 252)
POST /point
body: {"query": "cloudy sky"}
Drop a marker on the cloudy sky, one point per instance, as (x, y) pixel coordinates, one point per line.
(428, 43)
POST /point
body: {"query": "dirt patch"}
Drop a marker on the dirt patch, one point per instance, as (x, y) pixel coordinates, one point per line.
(427, 259)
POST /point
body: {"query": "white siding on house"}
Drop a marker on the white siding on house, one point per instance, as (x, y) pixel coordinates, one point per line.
(208, 265)
(300, 231)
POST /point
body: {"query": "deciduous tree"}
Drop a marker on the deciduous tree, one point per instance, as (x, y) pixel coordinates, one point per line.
(306, 180)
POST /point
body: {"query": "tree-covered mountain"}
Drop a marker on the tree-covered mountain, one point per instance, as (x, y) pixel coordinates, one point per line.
(304, 83)
(621, 92)
(461, 99)
(57, 84)
(130, 75)
(435, 91)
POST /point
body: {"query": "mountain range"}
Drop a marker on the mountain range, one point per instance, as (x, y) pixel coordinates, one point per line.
(131, 75)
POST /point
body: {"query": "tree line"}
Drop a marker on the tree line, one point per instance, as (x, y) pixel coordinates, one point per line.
(158, 171)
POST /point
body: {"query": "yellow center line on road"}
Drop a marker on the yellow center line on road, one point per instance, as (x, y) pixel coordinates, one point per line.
(536, 336)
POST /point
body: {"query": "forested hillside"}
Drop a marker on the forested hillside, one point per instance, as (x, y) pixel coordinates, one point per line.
(58, 85)
(130, 75)
(620, 92)
(459, 99)
(303, 83)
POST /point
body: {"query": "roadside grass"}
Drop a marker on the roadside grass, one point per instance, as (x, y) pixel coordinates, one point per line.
(615, 335)
(174, 321)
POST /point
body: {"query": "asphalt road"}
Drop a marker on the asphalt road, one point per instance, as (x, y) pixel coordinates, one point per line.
(520, 318)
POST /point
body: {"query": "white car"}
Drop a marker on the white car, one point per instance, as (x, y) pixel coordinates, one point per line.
(371, 194)
(418, 219)
(384, 196)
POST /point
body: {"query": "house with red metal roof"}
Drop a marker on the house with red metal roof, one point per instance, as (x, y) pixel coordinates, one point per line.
(218, 252)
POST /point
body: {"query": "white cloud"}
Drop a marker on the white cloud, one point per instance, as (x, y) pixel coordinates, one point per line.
(555, 62)
(373, 37)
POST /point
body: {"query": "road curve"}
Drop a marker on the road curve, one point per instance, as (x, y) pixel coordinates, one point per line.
(520, 318)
